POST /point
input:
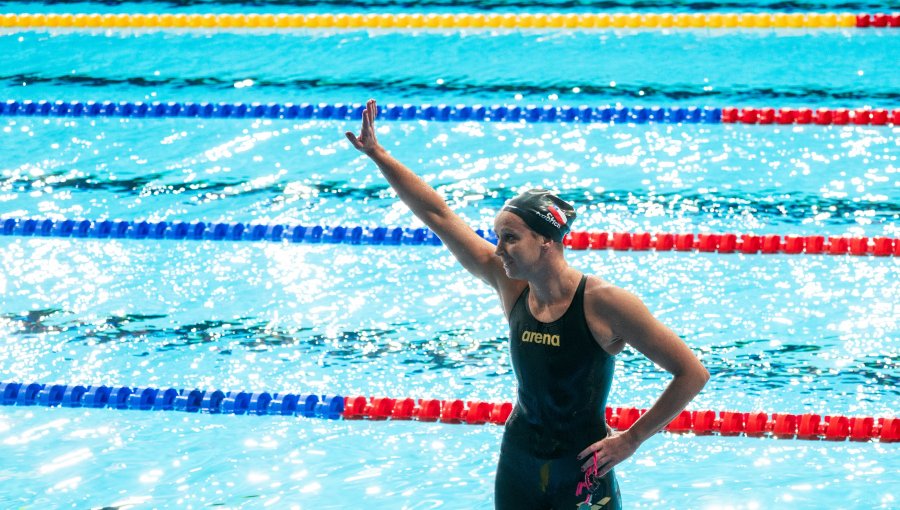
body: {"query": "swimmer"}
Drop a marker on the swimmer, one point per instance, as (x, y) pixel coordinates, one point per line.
(565, 329)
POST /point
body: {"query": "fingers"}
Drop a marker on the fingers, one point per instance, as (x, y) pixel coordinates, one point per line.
(587, 451)
(366, 136)
(596, 462)
(371, 109)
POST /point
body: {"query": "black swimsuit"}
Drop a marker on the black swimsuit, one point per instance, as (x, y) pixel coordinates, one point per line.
(563, 377)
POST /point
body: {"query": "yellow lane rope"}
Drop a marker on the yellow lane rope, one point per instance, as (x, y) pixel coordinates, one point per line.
(431, 21)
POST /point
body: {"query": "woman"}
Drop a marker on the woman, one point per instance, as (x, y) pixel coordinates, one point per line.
(565, 328)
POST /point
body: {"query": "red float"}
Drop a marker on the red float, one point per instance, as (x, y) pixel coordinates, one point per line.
(729, 115)
(627, 417)
(838, 245)
(861, 117)
(428, 410)
(859, 246)
(403, 409)
(727, 243)
(882, 246)
(785, 426)
(579, 240)
(837, 428)
(681, 424)
(840, 116)
(664, 242)
(640, 241)
(749, 243)
(771, 243)
(785, 116)
(500, 412)
(704, 422)
(684, 242)
(815, 244)
(355, 408)
(808, 428)
(452, 411)
(621, 241)
(707, 242)
(599, 240)
(803, 116)
(380, 408)
(732, 423)
(757, 424)
(861, 428)
(477, 413)
(890, 430)
(793, 244)
(822, 116)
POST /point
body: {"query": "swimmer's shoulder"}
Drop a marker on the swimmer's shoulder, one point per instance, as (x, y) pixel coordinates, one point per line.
(604, 293)
(601, 299)
(608, 307)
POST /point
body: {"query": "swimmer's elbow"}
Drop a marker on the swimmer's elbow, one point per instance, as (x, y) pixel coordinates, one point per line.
(701, 376)
(705, 375)
(696, 376)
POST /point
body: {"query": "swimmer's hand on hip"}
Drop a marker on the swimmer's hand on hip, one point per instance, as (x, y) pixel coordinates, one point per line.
(608, 452)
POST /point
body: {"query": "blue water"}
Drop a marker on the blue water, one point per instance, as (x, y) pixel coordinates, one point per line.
(850, 67)
(779, 333)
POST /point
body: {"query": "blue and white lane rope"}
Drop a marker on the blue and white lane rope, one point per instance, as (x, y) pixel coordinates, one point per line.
(339, 111)
(458, 113)
(200, 231)
(171, 399)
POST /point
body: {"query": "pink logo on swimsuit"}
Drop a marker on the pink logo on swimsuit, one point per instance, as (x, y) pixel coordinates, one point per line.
(589, 484)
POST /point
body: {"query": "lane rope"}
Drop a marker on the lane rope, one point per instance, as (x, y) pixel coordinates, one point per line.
(474, 21)
(749, 244)
(457, 113)
(702, 422)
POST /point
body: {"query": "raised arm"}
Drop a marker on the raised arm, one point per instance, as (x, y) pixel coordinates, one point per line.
(629, 319)
(474, 253)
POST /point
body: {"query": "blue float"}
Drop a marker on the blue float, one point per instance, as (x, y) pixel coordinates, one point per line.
(51, 395)
(236, 402)
(212, 401)
(285, 405)
(189, 401)
(96, 396)
(9, 392)
(142, 398)
(306, 405)
(330, 407)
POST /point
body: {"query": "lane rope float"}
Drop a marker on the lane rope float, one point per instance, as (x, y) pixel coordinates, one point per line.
(457, 113)
(726, 243)
(702, 422)
(469, 21)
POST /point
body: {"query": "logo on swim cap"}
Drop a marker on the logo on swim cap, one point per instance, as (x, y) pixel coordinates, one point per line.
(543, 212)
(560, 217)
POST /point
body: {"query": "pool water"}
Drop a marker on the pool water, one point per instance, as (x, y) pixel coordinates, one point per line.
(778, 333)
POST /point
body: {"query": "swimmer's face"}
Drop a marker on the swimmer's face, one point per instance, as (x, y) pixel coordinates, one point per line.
(518, 247)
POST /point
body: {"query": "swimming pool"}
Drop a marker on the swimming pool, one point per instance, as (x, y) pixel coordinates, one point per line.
(779, 333)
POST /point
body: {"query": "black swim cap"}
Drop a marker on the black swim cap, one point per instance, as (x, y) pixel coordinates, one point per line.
(543, 212)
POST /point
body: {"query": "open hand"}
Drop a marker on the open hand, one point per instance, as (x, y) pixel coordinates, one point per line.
(366, 141)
